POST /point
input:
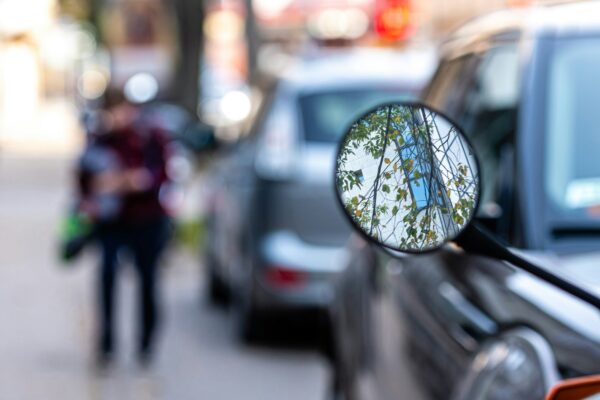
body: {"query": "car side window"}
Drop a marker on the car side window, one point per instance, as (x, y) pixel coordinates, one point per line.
(489, 118)
(449, 83)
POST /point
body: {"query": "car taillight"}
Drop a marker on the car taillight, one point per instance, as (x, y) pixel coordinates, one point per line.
(283, 277)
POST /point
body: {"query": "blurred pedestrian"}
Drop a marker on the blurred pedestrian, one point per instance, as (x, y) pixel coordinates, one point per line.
(120, 178)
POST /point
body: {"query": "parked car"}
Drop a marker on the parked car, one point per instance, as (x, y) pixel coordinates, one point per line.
(448, 324)
(273, 228)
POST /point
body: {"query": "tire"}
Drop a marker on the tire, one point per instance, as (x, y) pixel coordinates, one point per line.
(339, 387)
(246, 320)
(344, 383)
(326, 339)
(348, 339)
(217, 290)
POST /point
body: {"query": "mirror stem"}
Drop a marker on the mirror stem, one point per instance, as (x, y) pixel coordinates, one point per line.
(476, 240)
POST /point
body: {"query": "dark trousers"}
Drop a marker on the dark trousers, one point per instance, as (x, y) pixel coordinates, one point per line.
(145, 242)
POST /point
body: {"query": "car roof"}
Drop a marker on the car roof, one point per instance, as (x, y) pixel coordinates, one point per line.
(354, 67)
(568, 18)
(554, 19)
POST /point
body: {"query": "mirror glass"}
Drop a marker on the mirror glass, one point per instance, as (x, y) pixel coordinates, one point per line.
(407, 177)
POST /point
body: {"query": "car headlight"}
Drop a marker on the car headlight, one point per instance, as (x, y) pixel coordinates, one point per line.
(519, 365)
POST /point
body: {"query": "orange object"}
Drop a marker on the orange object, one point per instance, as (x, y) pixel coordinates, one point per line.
(393, 19)
(575, 389)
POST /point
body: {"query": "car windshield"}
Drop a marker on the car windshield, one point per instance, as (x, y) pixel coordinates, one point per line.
(326, 115)
(572, 167)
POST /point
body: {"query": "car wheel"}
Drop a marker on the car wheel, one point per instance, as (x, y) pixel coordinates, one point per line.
(341, 357)
(217, 290)
(326, 337)
(344, 385)
(334, 393)
(338, 386)
(246, 318)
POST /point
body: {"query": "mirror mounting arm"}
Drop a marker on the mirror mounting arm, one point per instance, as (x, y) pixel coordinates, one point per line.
(476, 240)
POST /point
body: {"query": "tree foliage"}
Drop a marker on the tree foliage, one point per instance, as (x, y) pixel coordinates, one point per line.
(407, 177)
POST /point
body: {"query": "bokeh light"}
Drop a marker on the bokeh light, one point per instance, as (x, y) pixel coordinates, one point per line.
(141, 88)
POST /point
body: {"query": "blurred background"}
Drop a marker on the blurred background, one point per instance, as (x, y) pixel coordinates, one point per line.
(248, 90)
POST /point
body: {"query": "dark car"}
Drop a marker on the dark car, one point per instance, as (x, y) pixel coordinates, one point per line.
(274, 230)
(524, 85)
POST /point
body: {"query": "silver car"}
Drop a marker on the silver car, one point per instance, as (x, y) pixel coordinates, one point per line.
(274, 231)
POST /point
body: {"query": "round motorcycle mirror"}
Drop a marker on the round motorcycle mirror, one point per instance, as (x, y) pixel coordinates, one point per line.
(407, 177)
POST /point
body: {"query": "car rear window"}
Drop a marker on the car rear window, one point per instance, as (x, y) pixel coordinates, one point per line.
(326, 115)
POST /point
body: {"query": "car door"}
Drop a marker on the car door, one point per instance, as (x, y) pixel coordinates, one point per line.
(447, 286)
(425, 315)
(385, 339)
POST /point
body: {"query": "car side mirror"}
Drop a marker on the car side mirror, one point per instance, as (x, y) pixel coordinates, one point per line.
(407, 177)
(587, 388)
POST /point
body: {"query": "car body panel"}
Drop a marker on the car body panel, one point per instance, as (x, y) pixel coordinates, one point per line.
(273, 202)
(429, 316)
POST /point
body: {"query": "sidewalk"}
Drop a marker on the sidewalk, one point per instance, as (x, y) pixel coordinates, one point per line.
(45, 337)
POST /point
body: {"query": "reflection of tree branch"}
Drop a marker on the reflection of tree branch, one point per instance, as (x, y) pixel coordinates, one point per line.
(437, 161)
(363, 197)
(385, 142)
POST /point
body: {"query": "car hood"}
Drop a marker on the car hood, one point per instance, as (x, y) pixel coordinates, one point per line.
(582, 269)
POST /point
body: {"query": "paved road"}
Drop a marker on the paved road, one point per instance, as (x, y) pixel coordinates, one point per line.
(47, 318)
